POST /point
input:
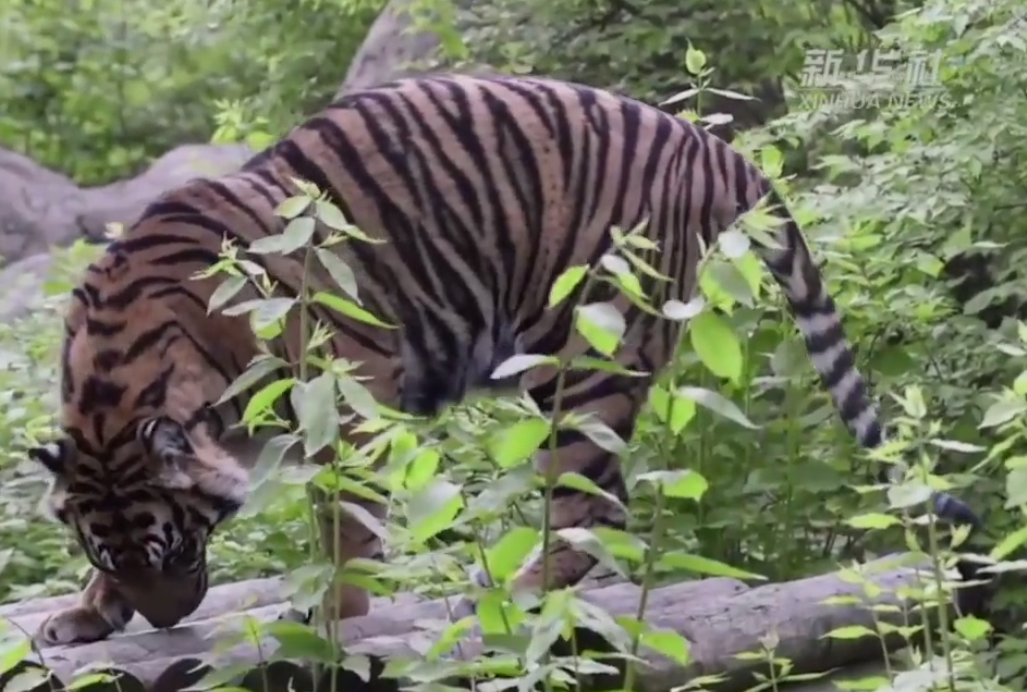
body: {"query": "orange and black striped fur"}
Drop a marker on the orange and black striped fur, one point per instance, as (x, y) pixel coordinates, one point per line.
(485, 189)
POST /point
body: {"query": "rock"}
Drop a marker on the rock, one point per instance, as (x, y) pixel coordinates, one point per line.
(22, 284)
(392, 51)
(40, 208)
(124, 200)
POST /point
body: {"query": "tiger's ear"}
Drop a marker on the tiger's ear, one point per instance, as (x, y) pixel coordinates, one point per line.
(55, 456)
(199, 464)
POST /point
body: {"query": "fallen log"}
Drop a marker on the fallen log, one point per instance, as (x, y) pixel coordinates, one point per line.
(719, 617)
(40, 208)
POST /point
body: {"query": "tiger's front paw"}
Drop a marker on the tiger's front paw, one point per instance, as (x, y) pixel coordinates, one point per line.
(290, 614)
(82, 624)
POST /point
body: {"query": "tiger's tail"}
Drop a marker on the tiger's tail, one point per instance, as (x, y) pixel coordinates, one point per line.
(795, 270)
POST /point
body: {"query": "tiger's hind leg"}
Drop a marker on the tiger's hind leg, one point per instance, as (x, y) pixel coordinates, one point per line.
(101, 612)
(614, 400)
(343, 538)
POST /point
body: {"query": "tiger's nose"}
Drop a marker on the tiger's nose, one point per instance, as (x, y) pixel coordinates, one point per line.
(131, 564)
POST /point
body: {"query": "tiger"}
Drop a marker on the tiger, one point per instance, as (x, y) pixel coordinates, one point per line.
(479, 191)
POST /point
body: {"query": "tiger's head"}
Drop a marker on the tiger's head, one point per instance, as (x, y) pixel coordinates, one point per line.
(143, 507)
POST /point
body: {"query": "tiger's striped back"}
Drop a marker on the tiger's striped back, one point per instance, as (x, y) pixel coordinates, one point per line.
(484, 190)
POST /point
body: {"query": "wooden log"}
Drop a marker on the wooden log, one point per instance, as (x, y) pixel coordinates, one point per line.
(40, 208)
(719, 617)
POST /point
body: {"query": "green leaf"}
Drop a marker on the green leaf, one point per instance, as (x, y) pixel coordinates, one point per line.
(873, 521)
(1002, 411)
(358, 664)
(771, 161)
(680, 483)
(1009, 544)
(300, 641)
(913, 403)
(728, 94)
(602, 325)
(220, 676)
(588, 363)
(718, 404)
(357, 397)
(433, 509)
(519, 363)
(566, 283)
(614, 264)
(789, 359)
(570, 479)
(668, 643)
(549, 625)
(703, 565)
(630, 285)
(270, 311)
(733, 243)
(14, 653)
(695, 60)
(908, 494)
(717, 346)
(268, 245)
(297, 234)
(449, 639)
(367, 520)
(601, 435)
(225, 291)
(724, 283)
(972, 628)
(1016, 488)
(587, 541)
(293, 206)
(1020, 384)
(261, 367)
(509, 552)
(317, 409)
(89, 680)
(850, 632)
(674, 411)
(622, 545)
(518, 442)
(331, 216)
(422, 469)
(340, 272)
(270, 457)
(349, 309)
(956, 446)
(264, 398)
(679, 312)
(31, 679)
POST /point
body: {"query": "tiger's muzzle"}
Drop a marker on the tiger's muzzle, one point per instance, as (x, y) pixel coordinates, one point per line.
(163, 598)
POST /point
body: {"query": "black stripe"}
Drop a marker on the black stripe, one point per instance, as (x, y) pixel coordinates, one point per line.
(263, 222)
(128, 295)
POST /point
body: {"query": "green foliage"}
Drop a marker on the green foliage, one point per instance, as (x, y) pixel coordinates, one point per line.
(96, 88)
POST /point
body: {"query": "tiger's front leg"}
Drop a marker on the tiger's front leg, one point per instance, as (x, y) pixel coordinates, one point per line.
(101, 612)
(571, 508)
